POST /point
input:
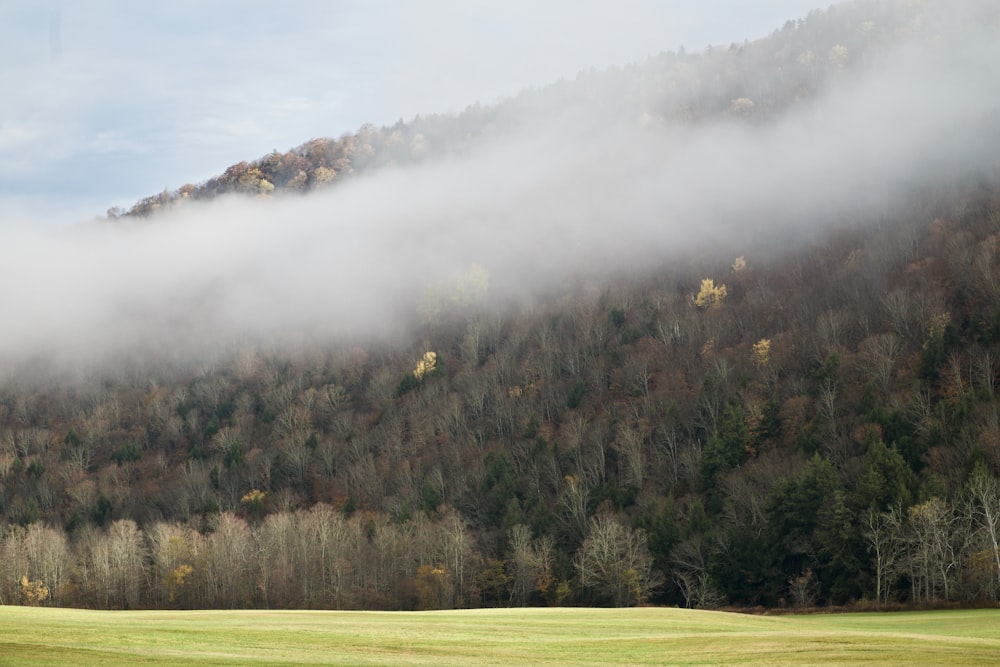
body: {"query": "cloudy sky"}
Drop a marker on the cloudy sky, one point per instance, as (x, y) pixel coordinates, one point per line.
(106, 101)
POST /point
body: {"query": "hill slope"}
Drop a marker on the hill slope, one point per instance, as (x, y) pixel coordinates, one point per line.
(728, 421)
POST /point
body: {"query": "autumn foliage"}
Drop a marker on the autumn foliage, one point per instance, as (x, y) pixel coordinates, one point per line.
(822, 428)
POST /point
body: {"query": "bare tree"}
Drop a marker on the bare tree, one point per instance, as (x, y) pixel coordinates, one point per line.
(457, 554)
(49, 558)
(933, 550)
(615, 562)
(985, 363)
(573, 505)
(334, 549)
(690, 570)
(880, 353)
(630, 443)
(231, 563)
(279, 560)
(884, 534)
(523, 564)
(114, 565)
(293, 428)
(984, 506)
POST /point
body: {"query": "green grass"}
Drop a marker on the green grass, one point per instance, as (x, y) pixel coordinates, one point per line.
(495, 637)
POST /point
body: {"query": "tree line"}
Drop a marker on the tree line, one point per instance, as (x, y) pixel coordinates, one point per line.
(315, 558)
(929, 552)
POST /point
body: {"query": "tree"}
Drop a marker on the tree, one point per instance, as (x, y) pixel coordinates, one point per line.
(933, 551)
(332, 545)
(175, 552)
(880, 353)
(839, 56)
(114, 566)
(529, 564)
(760, 353)
(322, 176)
(741, 106)
(630, 443)
(727, 448)
(493, 583)
(435, 588)
(33, 593)
(176, 579)
(49, 558)
(573, 506)
(281, 577)
(690, 561)
(709, 295)
(426, 366)
(615, 564)
(884, 534)
(293, 428)
(887, 480)
(231, 563)
(801, 508)
(457, 554)
(984, 505)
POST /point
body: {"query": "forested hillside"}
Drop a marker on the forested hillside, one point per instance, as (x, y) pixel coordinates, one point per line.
(816, 423)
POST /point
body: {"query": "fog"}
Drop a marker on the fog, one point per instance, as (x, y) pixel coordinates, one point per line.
(574, 191)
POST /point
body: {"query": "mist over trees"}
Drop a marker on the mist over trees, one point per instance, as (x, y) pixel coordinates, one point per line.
(737, 421)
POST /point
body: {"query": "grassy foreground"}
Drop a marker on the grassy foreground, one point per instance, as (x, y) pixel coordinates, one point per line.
(495, 637)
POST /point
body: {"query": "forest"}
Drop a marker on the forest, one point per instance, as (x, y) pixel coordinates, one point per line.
(812, 424)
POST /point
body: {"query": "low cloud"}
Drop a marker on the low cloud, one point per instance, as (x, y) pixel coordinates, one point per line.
(554, 199)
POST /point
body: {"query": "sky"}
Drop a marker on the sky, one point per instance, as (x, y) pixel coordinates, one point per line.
(107, 101)
(106, 112)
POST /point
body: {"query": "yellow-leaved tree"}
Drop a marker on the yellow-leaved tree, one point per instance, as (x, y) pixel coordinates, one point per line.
(426, 365)
(761, 353)
(710, 295)
(176, 579)
(33, 593)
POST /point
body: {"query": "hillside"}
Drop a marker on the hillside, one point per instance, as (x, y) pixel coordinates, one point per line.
(768, 415)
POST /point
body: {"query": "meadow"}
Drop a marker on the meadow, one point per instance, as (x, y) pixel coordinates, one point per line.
(644, 636)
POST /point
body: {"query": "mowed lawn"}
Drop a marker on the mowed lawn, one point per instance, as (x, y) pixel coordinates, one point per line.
(647, 636)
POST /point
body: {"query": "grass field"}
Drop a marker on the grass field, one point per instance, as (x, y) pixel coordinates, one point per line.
(495, 637)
